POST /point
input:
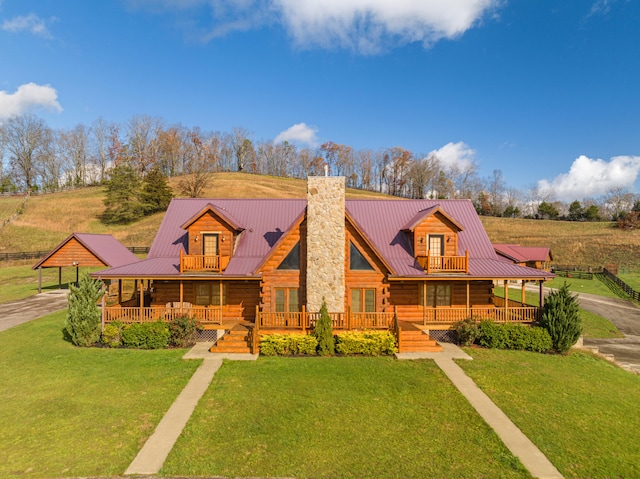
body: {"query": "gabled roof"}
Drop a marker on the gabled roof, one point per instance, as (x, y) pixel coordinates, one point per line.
(522, 254)
(421, 215)
(382, 223)
(103, 246)
(221, 212)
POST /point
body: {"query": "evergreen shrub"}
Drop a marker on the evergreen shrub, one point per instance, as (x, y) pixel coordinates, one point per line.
(83, 317)
(288, 344)
(146, 335)
(561, 318)
(368, 343)
(323, 332)
(183, 331)
(112, 334)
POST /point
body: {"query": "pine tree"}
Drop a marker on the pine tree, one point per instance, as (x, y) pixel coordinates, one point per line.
(324, 333)
(123, 196)
(156, 193)
(561, 318)
(83, 316)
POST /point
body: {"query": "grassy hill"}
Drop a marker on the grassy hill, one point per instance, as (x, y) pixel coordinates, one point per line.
(48, 219)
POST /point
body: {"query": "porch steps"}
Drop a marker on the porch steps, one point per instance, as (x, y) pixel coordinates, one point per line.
(414, 340)
(235, 340)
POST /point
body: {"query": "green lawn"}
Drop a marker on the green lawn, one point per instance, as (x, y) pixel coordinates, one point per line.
(581, 411)
(337, 417)
(68, 411)
(590, 286)
(631, 278)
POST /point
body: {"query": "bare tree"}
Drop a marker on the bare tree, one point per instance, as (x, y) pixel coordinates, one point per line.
(197, 174)
(99, 147)
(27, 141)
(496, 187)
(422, 174)
(142, 132)
(72, 146)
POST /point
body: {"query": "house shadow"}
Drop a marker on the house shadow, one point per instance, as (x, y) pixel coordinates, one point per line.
(272, 237)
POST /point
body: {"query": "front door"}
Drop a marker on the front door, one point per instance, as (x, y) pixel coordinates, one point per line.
(210, 251)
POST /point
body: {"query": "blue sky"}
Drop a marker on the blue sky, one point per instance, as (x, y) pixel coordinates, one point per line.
(546, 91)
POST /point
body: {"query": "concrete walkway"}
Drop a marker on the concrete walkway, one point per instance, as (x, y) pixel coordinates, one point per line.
(520, 446)
(155, 451)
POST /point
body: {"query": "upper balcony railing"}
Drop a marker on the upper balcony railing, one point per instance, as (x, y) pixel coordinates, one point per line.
(444, 264)
(200, 262)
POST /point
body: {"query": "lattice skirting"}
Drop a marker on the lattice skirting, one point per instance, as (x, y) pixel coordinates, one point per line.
(445, 335)
(206, 335)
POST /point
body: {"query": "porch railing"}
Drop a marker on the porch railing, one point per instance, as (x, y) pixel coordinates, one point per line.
(522, 314)
(339, 321)
(204, 314)
(199, 262)
(444, 264)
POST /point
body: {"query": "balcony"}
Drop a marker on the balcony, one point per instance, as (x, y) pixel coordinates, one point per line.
(444, 264)
(200, 262)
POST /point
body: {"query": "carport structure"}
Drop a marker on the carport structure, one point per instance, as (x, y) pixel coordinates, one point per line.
(85, 250)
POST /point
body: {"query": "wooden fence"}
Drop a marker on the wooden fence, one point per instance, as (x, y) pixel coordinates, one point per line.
(635, 295)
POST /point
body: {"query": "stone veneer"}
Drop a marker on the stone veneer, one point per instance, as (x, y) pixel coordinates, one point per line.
(325, 242)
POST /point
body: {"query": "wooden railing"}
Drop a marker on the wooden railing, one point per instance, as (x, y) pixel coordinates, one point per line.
(444, 264)
(339, 321)
(199, 262)
(522, 314)
(204, 314)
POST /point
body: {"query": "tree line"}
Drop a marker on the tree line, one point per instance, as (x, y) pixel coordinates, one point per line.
(39, 158)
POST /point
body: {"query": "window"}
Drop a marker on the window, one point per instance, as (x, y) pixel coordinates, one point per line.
(436, 245)
(363, 300)
(357, 261)
(286, 300)
(211, 293)
(434, 295)
(292, 261)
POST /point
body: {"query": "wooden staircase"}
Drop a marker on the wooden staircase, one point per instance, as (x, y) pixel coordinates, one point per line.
(414, 340)
(235, 340)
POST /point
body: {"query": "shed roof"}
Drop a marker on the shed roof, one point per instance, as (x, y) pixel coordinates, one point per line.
(103, 246)
(521, 254)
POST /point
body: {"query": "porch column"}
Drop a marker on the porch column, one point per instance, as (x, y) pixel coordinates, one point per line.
(506, 299)
(59, 277)
(141, 289)
(468, 305)
(541, 296)
(523, 295)
(104, 303)
(181, 293)
(119, 291)
(39, 279)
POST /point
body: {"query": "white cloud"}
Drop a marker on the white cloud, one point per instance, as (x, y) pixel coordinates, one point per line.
(589, 178)
(29, 23)
(458, 155)
(27, 97)
(299, 133)
(365, 26)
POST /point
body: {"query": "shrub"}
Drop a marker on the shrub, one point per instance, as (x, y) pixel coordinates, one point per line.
(369, 343)
(561, 319)
(146, 335)
(324, 333)
(83, 316)
(467, 331)
(287, 344)
(513, 336)
(183, 331)
(112, 334)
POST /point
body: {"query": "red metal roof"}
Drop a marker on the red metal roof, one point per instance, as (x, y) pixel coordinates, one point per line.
(105, 247)
(522, 254)
(381, 221)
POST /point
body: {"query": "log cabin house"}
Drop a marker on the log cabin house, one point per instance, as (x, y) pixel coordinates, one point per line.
(414, 267)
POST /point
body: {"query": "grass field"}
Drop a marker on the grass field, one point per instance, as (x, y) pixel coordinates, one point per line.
(9, 205)
(579, 410)
(69, 411)
(337, 417)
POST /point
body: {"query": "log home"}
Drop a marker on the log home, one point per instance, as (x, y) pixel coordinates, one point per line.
(412, 266)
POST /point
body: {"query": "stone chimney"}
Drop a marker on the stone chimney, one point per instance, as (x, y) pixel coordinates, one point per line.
(325, 242)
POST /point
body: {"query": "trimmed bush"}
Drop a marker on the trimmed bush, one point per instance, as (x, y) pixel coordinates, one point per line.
(287, 344)
(83, 317)
(467, 331)
(146, 335)
(112, 334)
(183, 331)
(324, 333)
(513, 336)
(561, 318)
(368, 343)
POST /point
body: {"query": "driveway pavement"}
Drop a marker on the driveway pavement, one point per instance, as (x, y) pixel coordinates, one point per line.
(21, 311)
(626, 316)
